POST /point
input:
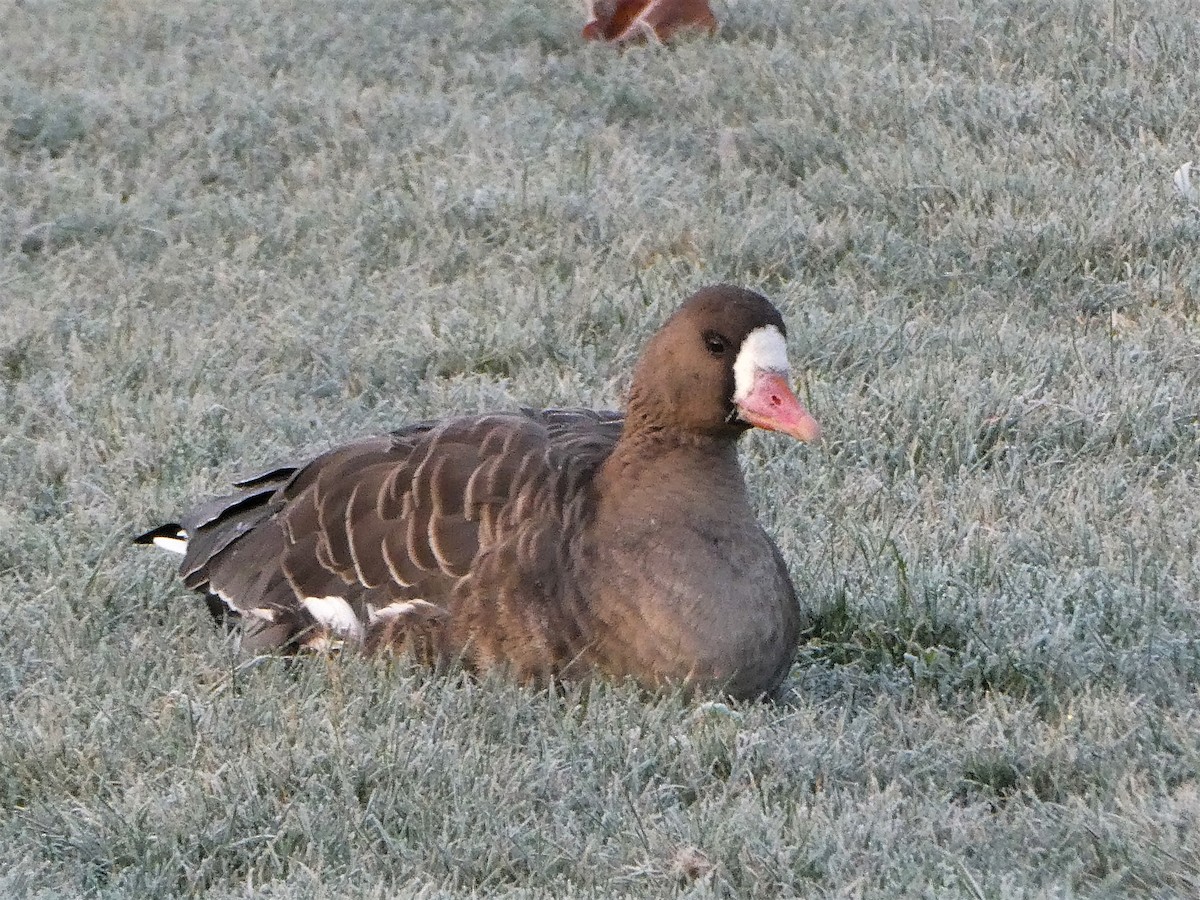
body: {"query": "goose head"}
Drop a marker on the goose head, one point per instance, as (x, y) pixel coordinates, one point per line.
(717, 368)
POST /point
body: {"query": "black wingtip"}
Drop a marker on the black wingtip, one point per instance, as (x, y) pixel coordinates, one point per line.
(170, 530)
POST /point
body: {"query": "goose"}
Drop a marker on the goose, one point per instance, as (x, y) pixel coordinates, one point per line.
(656, 21)
(545, 544)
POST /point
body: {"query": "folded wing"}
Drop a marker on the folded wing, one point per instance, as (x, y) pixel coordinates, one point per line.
(375, 541)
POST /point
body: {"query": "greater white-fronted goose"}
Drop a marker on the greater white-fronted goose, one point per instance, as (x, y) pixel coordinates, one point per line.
(631, 21)
(556, 543)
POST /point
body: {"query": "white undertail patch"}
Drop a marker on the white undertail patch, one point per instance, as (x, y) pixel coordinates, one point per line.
(228, 601)
(177, 544)
(336, 615)
(404, 608)
(763, 350)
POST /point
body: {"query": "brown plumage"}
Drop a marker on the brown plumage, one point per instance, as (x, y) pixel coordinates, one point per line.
(631, 21)
(551, 543)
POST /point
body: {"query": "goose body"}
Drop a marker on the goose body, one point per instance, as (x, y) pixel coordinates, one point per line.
(553, 543)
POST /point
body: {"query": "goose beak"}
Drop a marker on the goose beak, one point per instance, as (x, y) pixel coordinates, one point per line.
(772, 405)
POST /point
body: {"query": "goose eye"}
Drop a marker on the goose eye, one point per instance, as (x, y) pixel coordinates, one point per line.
(714, 343)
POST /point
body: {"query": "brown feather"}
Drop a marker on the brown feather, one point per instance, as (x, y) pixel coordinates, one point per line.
(625, 21)
(365, 528)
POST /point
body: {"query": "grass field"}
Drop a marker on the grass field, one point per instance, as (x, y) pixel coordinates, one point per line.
(230, 232)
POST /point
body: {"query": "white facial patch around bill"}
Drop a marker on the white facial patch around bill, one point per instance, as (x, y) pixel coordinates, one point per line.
(336, 615)
(763, 350)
